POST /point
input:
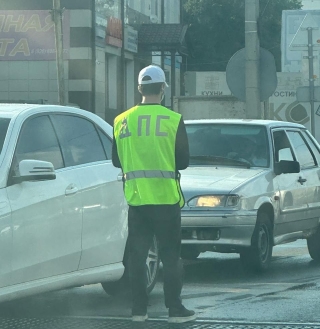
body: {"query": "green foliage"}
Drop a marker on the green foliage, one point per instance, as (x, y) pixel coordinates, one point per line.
(216, 30)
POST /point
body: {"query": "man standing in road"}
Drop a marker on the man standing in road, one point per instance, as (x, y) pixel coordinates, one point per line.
(150, 146)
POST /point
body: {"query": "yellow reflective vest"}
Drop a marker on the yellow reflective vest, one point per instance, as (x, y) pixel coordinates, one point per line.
(145, 136)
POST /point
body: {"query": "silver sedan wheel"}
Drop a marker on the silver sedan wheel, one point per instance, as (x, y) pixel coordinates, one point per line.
(258, 257)
(263, 242)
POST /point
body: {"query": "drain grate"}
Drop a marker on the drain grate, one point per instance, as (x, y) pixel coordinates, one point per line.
(103, 323)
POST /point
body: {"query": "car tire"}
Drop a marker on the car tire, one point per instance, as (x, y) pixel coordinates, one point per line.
(122, 286)
(257, 258)
(189, 252)
(313, 243)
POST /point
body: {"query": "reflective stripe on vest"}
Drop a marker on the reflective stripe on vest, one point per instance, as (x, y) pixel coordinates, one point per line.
(150, 174)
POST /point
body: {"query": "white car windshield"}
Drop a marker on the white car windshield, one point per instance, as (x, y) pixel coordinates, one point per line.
(228, 144)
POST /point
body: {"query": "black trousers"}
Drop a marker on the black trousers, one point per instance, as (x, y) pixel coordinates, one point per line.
(144, 222)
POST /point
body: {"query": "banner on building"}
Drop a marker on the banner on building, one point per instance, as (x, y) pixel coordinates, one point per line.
(29, 35)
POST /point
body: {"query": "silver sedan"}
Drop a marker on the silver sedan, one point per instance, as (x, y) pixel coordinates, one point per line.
(251, 185)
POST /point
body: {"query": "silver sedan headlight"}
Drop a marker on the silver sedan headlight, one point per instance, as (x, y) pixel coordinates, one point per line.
(214, 201)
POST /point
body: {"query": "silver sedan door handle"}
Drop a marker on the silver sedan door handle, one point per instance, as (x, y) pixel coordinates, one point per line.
(301, 180)
(120, 177)
(71, 189)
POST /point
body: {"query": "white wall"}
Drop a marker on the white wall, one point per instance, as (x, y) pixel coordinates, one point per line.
(152, 7)
(172, 11)
(130, 83)
(30, 81)
(143, 6)
(311, 4)
(281, 106)
(111, 81)
(100, 99)
(202, 107)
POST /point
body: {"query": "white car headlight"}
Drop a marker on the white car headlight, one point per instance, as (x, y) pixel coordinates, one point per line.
(213, 201)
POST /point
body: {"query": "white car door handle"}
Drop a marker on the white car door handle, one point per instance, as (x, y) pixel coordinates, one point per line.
(120, 178)
(71, 189)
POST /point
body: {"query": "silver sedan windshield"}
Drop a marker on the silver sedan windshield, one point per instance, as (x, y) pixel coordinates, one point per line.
(228, 144)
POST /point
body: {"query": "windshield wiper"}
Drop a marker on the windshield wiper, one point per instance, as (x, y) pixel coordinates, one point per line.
(220, 159)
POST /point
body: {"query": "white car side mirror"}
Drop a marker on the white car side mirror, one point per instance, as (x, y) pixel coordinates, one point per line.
(35, 170)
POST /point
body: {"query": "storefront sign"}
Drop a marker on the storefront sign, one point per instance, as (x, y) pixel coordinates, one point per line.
(114, 32)
(130, 39)
(101, 25)
(29, 35)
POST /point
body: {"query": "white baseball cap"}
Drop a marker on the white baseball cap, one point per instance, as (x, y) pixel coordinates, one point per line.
(155, 73)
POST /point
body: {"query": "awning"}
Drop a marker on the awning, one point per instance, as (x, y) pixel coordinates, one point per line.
(163, 37)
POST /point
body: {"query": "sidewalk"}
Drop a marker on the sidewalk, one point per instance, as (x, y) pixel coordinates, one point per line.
(109, 323)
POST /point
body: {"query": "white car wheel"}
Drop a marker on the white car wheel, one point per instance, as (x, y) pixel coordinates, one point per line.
(152, 269)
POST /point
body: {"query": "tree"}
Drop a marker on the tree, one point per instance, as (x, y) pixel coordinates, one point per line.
(216, 30)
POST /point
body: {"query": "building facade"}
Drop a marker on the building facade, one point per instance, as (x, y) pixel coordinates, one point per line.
(101, 55)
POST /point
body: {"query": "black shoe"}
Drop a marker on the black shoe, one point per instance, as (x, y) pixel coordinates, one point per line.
(180, 315)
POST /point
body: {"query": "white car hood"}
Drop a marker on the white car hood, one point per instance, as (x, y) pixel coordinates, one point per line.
(218, 178)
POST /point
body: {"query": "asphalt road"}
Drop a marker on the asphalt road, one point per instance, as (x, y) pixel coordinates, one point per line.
(215, 286)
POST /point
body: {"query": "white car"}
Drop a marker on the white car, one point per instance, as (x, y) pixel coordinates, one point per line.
(63, 216)
(251, 185)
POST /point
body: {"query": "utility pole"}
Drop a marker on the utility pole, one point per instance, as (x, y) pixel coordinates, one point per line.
(252, 46)
(304, 41)
(173, 76)
(57, 19)
(122, 67)
(162, 22)
(162, 53)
